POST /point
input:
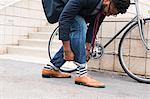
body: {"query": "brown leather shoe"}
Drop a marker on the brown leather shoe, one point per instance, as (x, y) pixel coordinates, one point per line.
(55, 74)
(88, 81)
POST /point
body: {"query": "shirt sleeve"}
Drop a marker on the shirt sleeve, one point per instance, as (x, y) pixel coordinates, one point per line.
(71, 9)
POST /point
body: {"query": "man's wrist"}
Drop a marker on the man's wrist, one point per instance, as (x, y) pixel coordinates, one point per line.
(66, 46)
(88, 46)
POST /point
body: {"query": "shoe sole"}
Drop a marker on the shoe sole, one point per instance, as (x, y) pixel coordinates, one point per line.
(49, 76)
(83, 84)
(46, 76)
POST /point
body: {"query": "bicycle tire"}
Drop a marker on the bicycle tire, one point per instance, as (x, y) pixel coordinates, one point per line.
(53, 46)
(49, 43)
(129, 55)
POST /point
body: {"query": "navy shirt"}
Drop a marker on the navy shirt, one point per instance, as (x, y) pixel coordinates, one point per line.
(83, 8)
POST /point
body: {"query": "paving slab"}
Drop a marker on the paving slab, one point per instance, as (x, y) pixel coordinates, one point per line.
(22, 80)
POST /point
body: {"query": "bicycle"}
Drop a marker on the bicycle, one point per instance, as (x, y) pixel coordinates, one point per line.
(126, 49)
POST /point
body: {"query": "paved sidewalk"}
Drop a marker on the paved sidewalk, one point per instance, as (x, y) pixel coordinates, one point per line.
(20, 80)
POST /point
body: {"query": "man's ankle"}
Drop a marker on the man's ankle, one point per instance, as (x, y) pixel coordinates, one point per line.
(81, 71)
(51, 67)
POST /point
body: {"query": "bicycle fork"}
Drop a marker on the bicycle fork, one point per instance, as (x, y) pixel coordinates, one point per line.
(141, 31)
(141, 23)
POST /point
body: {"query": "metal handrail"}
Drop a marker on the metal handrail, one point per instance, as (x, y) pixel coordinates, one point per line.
(11, 3)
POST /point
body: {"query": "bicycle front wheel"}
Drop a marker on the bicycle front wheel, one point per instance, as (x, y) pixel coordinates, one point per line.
(133, 55)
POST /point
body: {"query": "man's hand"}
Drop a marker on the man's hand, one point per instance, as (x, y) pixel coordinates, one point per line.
(68, 54)
(88, 47)
(87, 55)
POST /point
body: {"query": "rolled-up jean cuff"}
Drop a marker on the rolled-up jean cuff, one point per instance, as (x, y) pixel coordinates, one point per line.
(80, 65)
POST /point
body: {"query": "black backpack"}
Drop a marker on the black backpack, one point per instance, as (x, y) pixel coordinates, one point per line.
(53, 9)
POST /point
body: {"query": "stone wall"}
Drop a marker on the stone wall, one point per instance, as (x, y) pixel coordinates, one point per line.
(17, 20)
(133, 48)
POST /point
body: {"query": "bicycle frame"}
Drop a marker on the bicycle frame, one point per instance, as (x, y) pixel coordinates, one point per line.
(138, 19)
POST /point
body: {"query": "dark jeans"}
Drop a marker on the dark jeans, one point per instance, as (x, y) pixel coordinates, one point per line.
(77, 40)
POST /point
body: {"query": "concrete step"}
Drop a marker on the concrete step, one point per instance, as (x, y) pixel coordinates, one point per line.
(28, 51)
(46, 28)
(39, 43)
(34, 43)
(40, 35)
